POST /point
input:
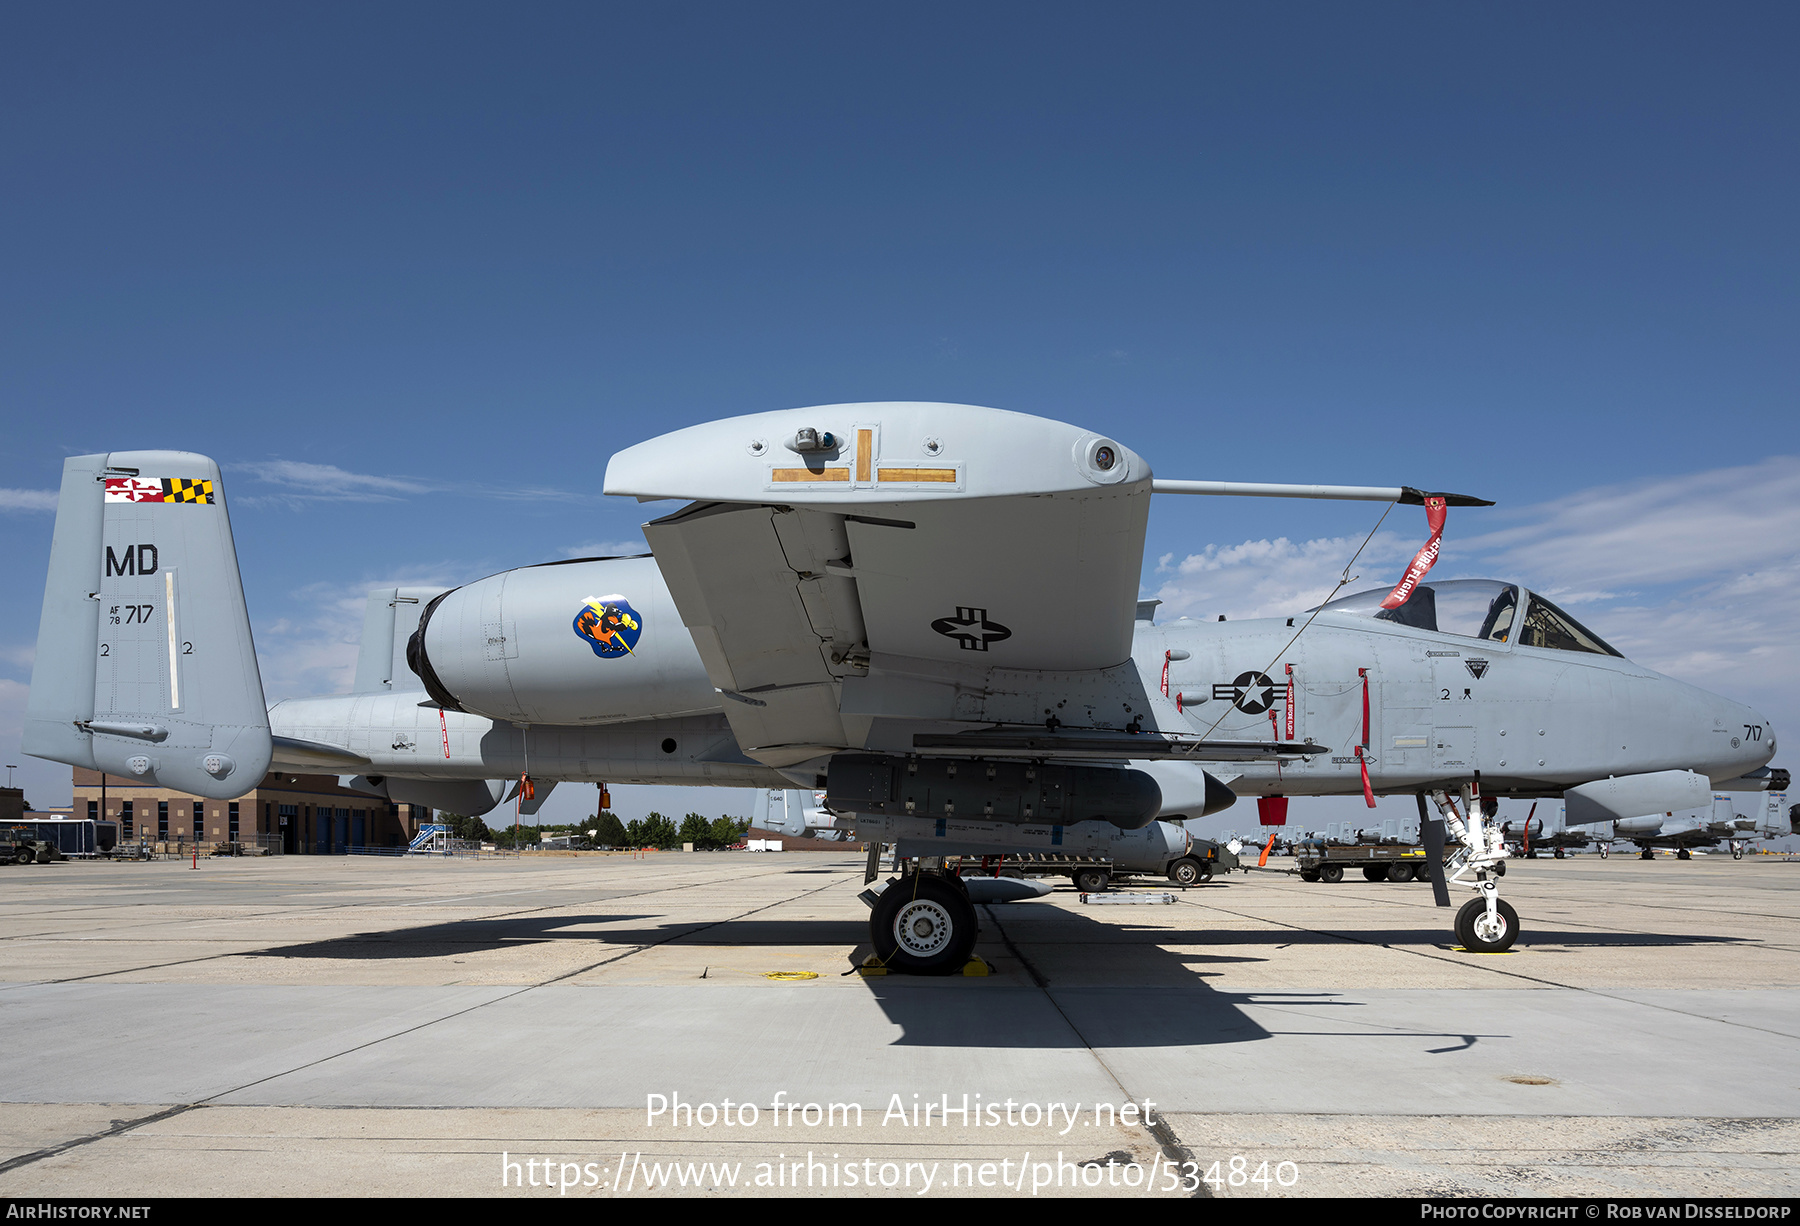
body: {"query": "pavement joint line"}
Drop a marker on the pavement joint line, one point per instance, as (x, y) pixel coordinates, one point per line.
(1176, 1153)
(1498, 970)
(119, 1128)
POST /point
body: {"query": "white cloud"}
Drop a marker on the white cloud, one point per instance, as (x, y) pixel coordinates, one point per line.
(1698, 526)
(313, 649)
(301, 481)
(607, 549)
(27, 500)
(1275, 578)
(330, 481)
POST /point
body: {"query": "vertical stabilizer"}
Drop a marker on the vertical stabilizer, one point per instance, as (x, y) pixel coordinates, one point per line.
(145, 665)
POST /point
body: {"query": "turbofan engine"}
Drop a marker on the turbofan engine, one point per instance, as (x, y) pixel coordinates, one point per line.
(592, 641)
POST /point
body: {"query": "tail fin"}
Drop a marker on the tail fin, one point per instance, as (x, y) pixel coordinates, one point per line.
(145, 664)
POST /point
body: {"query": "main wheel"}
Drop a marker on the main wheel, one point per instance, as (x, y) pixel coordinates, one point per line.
(1646, 854)
(1558, 853)
(1684, 854)
(1481, 935)
(1737, 853)
(1091, 880)
(1375, 872)
(923, 925)
(1400, 873)
(1331, 874)
(1189, 871)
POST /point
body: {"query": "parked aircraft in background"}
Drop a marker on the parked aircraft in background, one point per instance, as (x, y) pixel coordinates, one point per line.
(1768, 818)
(928, 612)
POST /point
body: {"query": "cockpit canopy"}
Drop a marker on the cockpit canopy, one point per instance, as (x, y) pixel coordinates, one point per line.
(1479, 609)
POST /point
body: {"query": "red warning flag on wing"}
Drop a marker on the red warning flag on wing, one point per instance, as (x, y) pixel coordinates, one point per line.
(1425, 558)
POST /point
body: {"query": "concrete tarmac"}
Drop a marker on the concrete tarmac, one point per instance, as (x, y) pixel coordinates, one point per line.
(536, 1027)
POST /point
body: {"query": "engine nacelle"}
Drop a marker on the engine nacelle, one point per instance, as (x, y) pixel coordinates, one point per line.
(594, 641)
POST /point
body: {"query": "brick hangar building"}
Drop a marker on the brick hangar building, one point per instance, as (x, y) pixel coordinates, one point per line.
(287, 814)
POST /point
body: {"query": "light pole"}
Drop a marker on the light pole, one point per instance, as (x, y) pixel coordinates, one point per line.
(10, 768)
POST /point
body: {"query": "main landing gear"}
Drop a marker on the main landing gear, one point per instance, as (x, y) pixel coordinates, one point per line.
(924, 924)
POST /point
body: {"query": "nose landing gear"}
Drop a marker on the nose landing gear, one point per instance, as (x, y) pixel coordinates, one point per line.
(1486, 924)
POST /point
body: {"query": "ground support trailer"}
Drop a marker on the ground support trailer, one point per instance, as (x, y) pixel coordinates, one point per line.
(1328, 862)
(1091, 874)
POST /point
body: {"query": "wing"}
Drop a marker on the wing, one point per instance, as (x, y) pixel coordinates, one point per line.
(856, 575)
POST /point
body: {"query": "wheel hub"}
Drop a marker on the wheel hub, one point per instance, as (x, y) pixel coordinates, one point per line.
(1490, 928)
(923, 927)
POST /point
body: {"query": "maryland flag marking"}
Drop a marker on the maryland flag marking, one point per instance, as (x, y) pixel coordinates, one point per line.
(154, 489)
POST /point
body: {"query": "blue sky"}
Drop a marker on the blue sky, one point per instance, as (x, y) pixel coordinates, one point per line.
(413, 272)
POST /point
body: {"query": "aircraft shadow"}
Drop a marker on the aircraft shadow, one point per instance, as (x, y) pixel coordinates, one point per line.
(1069, 987)
(472, 935)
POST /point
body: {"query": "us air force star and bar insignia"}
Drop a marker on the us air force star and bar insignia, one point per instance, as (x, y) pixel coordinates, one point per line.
(1252, 692)
(158, 489)
(971, 629)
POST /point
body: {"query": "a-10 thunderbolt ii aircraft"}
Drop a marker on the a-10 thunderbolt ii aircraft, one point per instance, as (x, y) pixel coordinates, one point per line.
(1720, 824)
(927, 611)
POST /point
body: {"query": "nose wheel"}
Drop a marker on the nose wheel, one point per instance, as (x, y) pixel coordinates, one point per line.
(1485, 932)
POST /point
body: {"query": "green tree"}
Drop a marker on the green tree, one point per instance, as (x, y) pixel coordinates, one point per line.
(608, 830)
(728, 831)
(654, 831)
(696, 830)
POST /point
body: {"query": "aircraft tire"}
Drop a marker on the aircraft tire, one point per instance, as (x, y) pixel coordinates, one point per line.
(1684, 854)
(1331, 874)
(1558, 853)
(1737, 853)
(924, 925)
(1091, 880)
(1646, 854)
(1471, 922)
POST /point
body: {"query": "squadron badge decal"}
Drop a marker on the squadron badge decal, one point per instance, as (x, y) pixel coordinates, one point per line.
(610, 626)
